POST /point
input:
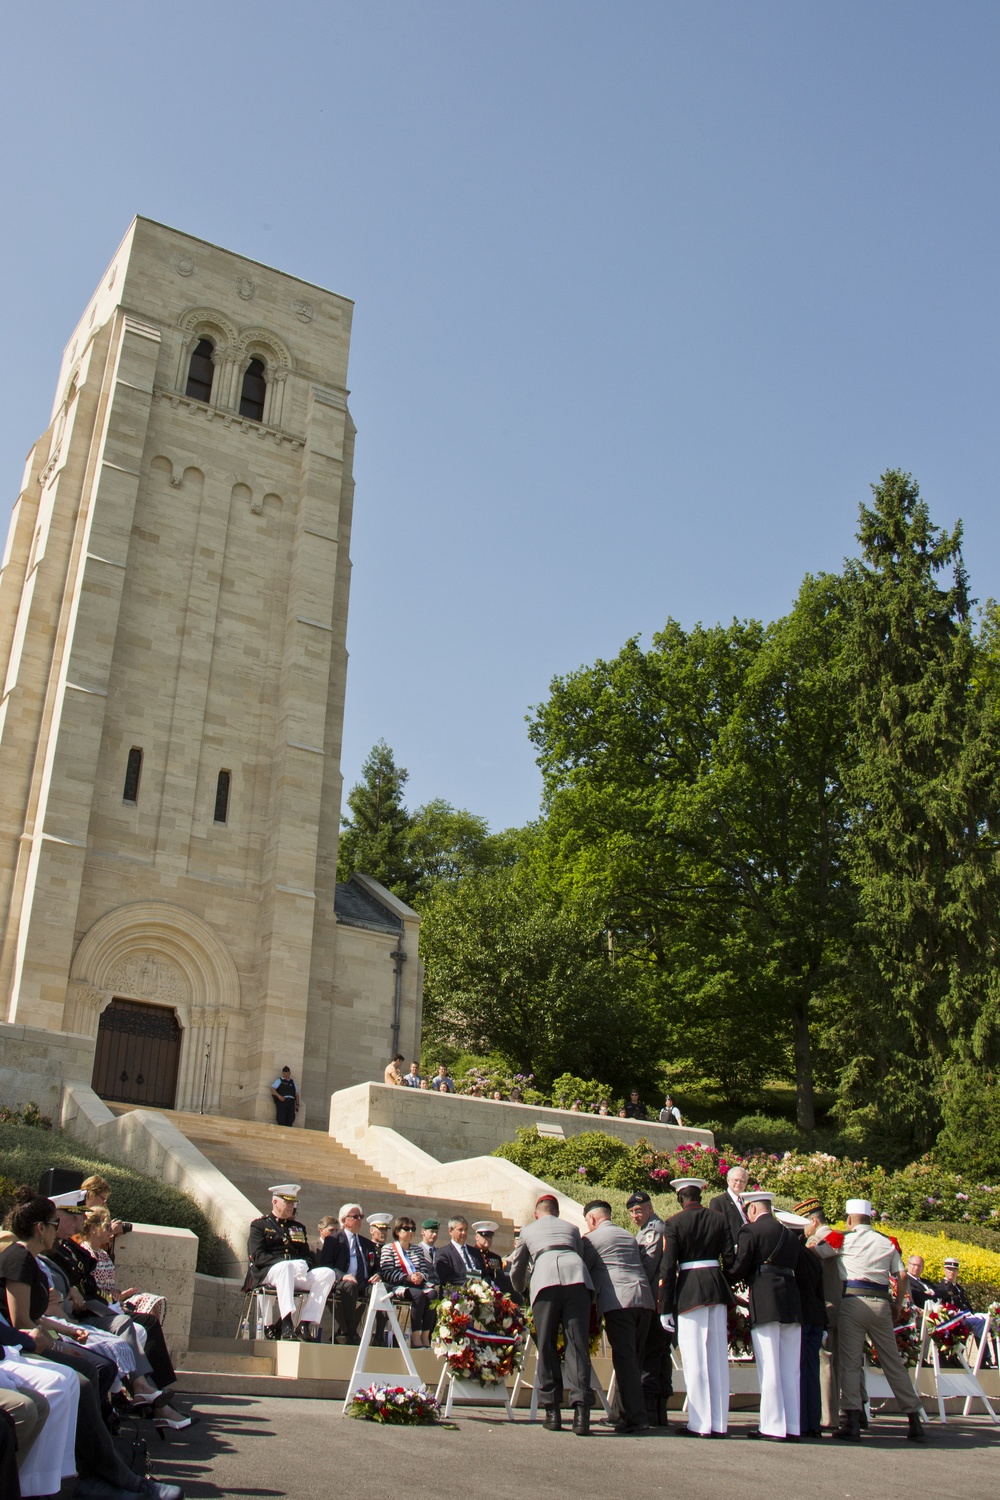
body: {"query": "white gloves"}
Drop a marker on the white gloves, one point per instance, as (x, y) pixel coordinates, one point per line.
(667, 1322)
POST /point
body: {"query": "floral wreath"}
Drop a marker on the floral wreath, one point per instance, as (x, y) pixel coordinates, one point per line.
(479, 1331)
(395, 1406)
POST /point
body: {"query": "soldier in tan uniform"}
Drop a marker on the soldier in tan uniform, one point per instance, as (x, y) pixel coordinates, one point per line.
(867, 1260)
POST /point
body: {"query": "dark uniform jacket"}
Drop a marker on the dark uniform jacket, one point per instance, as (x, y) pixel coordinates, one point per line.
(954, 1293)
(272, 1240)
(336, 1252)
(695, 1234)
(495, 1271)
(450, 1264)
(77, 1266)
(920, 1291)
(724, 1205)
(809, 1280)
(766, 1258)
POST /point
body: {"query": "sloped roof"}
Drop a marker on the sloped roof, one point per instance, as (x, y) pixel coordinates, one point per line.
(356, 906)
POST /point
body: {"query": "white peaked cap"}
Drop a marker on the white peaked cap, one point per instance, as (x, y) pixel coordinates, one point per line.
(683, 1182)
(758, 1197)
(288, 1190)
(792, 1221)
(383, 1219)
(72, 1199)
(859, 1206)
(484, 1226)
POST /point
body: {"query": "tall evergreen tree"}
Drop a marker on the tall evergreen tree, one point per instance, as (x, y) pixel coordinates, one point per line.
(375, 838)
(923, 790)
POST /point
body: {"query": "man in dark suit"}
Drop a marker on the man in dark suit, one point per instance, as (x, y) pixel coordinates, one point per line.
(457, 1260)
(354, 1259)
(766, 1259)
(730, 1203)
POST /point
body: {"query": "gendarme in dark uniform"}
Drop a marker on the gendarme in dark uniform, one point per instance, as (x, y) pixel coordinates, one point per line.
(279, 1255)
(657, 1370)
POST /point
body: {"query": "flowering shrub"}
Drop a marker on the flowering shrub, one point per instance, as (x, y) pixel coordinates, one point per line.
(479, 1332)
(922, 1191)
(487, 1080)
(567, 1088)
(29, 1115)
(395, 1406)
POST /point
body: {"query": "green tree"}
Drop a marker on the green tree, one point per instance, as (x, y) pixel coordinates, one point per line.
(375, 838)
(694, 807)
(924, 795)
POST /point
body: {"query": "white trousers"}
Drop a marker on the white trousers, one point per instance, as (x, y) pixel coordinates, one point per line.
(52, 1458)
(289, 1276)
(704, 1346)
(776, 1349)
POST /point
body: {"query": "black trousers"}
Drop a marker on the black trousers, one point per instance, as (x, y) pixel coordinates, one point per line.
(99, 1372)
(96, 1455)
(9, 1485)
(284, 1111)
(626, 1331)
(567, 1307)
(349, 1298)
(657, 1369)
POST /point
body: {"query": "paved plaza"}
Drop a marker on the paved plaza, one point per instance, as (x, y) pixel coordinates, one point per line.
(265, 1448)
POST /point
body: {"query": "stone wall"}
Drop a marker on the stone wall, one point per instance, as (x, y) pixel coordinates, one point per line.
(162, 1260)
(34, 1065)
(450, 1126)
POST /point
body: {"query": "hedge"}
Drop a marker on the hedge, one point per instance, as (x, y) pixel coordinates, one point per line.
(26, 1152)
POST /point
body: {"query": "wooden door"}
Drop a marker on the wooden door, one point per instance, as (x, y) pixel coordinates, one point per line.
(138, 1050)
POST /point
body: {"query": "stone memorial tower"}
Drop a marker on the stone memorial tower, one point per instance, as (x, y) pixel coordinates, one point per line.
(173, 611)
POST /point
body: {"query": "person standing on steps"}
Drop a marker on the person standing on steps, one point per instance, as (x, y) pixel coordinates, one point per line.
(286, 1096)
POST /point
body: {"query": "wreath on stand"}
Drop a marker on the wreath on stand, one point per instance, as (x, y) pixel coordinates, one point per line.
(479, 1332)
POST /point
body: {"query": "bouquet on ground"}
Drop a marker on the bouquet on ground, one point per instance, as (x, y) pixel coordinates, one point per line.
(395, 1405)
(479, 1331)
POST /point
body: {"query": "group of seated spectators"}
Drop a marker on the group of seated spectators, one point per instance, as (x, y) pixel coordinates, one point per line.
(442, 1082)
(346, 1264)
(75, 1351)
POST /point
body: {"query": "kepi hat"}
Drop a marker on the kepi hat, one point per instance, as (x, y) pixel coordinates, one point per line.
(287, 1190)
(809, 1206)
(859, 1206)
(950, 1260)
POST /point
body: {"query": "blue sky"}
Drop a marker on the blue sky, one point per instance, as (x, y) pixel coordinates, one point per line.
(647, 295)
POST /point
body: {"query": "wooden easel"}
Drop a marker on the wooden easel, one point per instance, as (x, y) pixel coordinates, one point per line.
(380, 1301)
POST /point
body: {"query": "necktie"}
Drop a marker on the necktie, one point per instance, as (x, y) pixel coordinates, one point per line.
(468, 1258)
(355, 1266)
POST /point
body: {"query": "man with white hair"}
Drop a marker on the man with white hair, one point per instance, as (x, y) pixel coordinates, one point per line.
(280, 1258)
(353, 1259)
(730, 1203)
(867, 1259)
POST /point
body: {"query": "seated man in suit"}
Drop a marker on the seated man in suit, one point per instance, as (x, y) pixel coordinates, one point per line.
(354, 1261)
(730, 1203)
(457, 1261)
(917, 1289)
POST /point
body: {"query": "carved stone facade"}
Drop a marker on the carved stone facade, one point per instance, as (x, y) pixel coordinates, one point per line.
(173, 609)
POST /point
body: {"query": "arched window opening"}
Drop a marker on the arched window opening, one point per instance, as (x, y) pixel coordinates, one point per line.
(200, 371)
(133, 771)
(222, 797)
(254, 391)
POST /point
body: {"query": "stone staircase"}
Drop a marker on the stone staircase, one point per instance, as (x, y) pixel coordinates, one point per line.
(254, 1156)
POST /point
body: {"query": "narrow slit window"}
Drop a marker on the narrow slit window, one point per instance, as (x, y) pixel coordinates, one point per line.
(133, 771)
(222, 797)
(254, 390)
(201, 371)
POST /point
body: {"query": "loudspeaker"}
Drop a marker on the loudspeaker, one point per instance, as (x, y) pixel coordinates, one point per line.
(58, 1180)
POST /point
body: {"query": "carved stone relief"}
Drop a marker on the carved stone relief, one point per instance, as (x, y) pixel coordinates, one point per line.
(145, 975)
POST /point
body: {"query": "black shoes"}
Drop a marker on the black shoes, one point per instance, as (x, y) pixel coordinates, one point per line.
(552, 1420)
(916, 1432)
(307, 1333)
(272, 1330)
(849, 1430)
(625, 1428)
(581, 1421)
(662, 1420)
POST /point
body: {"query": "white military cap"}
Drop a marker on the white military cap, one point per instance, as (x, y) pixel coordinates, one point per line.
(287, 1190)
(484, 1226)
(683, 1182)
(792, 1221)
(859, 1206)
(758, 1197)
(381, 1220)
(69, 1202)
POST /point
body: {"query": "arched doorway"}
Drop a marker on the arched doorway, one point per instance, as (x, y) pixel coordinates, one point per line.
(138, 1052)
